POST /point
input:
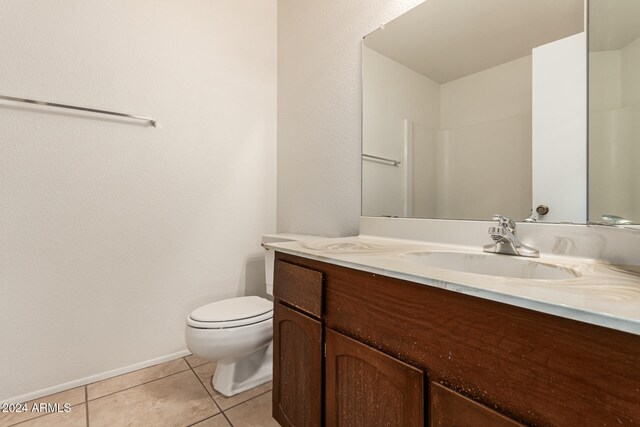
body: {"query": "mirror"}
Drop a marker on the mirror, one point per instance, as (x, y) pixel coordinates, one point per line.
(476, 107)
(614, 112)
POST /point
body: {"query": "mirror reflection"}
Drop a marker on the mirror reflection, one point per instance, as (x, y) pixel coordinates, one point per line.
(614, 111)
(465, 106)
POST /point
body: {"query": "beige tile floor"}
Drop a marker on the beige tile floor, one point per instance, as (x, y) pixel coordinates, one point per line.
(175, 393)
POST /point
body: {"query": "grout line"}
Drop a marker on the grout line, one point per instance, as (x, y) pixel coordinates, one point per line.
(31, 419)
(203, 420)
(254, 397)
(86, 398)
(226, 418)
(86, 391)
(44, 414)
(206, 389)
(86, 404)
(193, 367)
(211, 396)
(138, 385)
(137, 370)
(221, 414)
(235, 406)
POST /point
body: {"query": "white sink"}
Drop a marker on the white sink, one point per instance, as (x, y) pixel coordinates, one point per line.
(491, 265)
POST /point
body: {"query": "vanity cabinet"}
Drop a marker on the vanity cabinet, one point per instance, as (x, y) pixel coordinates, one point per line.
(449, 358)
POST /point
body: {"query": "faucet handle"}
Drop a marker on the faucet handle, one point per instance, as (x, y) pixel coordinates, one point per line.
(505, 222)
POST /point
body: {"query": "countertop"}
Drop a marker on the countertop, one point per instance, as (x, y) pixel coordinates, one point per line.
(601, 294)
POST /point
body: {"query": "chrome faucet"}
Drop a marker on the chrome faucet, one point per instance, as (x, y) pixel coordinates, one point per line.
(610, 219)
(505, 240)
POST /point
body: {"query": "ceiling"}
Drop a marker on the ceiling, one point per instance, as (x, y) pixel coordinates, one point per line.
(449, 39)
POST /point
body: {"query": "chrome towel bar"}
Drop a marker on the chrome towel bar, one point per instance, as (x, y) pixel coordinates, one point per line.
(151, 120)
(391, 162)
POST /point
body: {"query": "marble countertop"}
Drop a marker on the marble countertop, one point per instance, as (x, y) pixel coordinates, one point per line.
(601, 294)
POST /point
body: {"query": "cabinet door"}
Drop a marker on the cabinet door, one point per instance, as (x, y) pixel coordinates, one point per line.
(365, 387)
(297, 368)
(449, 409)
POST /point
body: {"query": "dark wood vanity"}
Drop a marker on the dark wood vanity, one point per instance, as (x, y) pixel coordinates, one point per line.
(353, 348)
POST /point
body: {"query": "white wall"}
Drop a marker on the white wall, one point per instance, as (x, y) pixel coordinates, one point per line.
(604, 111)
(629, 72)
(614, 120)
(427, 170)
(492, 94)
(604, 80)
(559, 126)
(630, 89)
(486, 143)
(111, 232)
(391, 94)
(319, 110)
(471, 140)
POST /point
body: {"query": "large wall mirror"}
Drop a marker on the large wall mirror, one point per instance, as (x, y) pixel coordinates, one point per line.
(614, 111)
(478, 107)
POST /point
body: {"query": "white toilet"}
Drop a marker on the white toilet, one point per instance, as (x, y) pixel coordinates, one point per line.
(237, 333)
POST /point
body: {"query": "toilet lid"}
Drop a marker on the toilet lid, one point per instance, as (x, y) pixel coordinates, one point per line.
(233, 309)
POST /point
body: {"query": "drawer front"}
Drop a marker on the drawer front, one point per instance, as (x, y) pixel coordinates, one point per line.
(298, 286)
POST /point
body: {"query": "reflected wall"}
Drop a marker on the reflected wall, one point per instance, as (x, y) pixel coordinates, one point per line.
(614, 111)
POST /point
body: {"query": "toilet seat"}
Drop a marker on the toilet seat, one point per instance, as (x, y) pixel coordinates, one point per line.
(231, 313)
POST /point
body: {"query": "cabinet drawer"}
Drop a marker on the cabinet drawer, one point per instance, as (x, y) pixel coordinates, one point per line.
(299, 286)
(449, 409)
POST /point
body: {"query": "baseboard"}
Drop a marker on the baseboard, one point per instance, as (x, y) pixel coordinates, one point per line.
(93, 378)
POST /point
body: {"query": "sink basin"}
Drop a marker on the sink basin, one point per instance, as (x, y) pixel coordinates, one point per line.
(491, 265)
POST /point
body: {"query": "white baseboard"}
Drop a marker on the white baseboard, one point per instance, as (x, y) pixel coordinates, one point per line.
(93, 378)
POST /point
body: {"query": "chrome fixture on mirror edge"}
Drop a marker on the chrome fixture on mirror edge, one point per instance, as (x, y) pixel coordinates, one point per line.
(505, 240)
(540, 211)
(610, 219)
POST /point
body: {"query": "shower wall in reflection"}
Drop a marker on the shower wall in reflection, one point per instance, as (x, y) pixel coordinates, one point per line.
(614, 129)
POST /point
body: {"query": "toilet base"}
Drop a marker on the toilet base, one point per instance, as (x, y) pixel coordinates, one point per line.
(234, 376)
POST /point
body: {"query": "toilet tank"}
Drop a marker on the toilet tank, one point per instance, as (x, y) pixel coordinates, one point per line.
(270, 256)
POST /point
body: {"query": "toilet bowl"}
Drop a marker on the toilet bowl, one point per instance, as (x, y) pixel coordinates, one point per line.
(237, 333)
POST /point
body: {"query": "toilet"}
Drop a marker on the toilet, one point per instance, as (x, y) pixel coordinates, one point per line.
(237, 333)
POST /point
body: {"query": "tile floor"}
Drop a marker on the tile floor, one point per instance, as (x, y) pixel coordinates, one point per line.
(175, 393)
